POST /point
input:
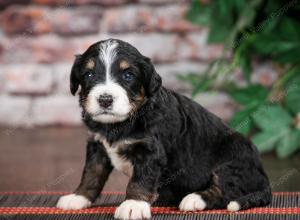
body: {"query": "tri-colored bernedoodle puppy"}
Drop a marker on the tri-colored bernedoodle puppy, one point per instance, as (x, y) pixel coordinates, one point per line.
(172, 149)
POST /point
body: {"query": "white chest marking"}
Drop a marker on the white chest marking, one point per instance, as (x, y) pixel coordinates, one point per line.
(119, 162)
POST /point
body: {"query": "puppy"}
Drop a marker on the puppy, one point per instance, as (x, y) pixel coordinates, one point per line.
(173, 150)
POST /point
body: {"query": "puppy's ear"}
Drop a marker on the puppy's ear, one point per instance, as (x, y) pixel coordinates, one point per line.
(153, 80)
(74, 81)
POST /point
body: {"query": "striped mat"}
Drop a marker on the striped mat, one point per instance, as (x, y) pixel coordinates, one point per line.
(41, 205)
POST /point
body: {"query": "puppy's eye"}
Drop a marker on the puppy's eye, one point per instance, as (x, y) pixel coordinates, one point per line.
(128, 76)
(89, 74)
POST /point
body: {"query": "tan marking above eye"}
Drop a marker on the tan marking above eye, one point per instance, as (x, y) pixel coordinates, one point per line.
(90, 64)
(124, 64)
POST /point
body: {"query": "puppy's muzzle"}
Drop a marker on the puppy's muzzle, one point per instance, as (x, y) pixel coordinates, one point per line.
(105, 101)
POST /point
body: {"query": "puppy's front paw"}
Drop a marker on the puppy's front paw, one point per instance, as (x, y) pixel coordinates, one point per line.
(192, 202)
(133, 209)
(73, 202)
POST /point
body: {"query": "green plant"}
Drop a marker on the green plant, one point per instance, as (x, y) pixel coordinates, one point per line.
(256, 29)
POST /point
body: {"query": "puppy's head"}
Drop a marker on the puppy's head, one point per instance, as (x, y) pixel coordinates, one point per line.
(115, 80)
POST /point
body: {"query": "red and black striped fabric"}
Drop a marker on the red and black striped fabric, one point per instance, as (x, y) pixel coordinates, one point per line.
(41, 205)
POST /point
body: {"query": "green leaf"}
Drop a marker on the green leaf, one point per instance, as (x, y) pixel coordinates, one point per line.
(202, 86)
(291, 81)
(242, 121)
(272, 44)
(292, 99)
(266, 140)
(290, 56)
(282, 42)
(288, 144)
(218, 32)
(291, 77)
(245, 63)
(199, 13)
(272, 117)
(192, 78)
(289, 28)
(251, 95)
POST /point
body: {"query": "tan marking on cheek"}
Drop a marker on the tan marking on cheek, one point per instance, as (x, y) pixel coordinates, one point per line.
(141, 97)
(90, 64)
(137, 101)
(124, 64)
(87, 103)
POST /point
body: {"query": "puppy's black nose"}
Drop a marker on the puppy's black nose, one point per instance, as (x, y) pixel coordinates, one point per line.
(105, 100)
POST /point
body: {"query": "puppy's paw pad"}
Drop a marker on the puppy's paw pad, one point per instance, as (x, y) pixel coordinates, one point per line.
(233, 206)
(133, 209)
(73, 202)
(192, 202)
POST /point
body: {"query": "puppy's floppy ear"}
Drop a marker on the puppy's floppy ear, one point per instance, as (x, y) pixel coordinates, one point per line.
(153, 80)
(74, 81)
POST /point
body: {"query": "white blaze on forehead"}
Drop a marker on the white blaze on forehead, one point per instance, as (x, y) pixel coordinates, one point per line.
(108, 52)
(121, 106)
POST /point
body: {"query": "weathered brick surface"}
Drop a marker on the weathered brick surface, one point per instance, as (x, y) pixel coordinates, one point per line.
(39, 38)
(34, 20)
(160, 2)
(27, 79)
(59, 3)
(51, 48)
(42, 49)
(196, 48)
(19, 19)
(61, 74)
(15, 110)
(103, 2)
(145, 19)
(55, 110)
(80, 21)
(159, 47)
(4, 3)
(170, 74)
(217, 102)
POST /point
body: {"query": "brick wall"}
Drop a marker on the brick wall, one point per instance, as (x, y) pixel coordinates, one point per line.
(38, 40)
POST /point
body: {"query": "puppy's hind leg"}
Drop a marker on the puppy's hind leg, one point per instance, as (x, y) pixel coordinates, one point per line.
(204, 199)
(260, 198)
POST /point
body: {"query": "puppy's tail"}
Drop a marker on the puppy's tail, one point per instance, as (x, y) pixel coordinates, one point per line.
(260, 198)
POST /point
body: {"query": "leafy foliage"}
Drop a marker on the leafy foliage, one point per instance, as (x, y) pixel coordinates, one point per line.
(261, 29)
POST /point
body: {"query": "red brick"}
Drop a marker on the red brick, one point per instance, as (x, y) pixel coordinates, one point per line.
(14, 111)
(66, 3)
(39, 20)
(159, 47)
(144, 19)
(44, 49)
(103, 2)
(160, 2)
(75, 21)
(217, 102)
(61, 73)
(4, 3)
(19, 19)
(170, 73)
(172, 19)
(195, 47)
(134, 18)
(27, 79)
(56, 110)
(61, 3)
